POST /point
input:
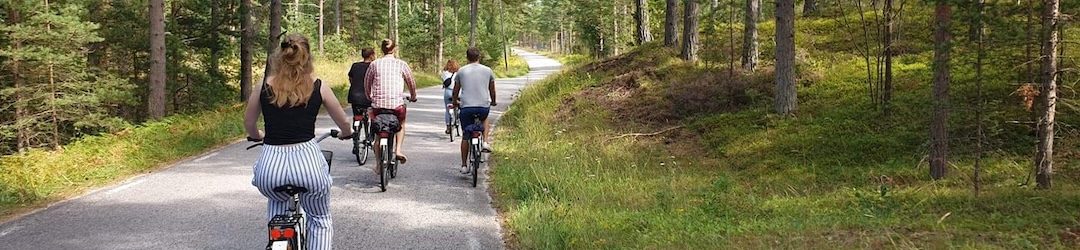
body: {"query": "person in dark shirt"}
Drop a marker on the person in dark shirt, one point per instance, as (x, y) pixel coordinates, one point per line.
(357, 96)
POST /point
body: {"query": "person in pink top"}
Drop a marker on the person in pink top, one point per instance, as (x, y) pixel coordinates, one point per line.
(385, 82)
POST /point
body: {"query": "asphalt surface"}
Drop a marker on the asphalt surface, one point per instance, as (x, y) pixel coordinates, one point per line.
(209, 203)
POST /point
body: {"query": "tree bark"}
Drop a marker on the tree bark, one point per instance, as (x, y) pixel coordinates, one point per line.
(21, 136)
(939, 144)
(472, 22)
(321, 18)
(690, 25)
(246, 43)
(976, 180)
(397, 24)
(786, 100)
(337, 17)
(275, 32)
(886, 95)
(1044, 157)
(670, 21)
(441, 35)
(641, 19)
(750, 46)
(156, 99)
(809, 7)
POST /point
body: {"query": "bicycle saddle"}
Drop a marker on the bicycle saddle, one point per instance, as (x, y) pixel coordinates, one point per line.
(290, 189)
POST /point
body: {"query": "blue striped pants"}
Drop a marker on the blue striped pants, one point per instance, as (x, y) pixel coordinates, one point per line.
(303, 165)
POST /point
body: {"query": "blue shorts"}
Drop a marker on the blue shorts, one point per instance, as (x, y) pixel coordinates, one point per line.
(468, 116)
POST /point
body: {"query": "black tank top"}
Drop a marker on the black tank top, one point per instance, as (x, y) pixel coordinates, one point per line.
(289, 125)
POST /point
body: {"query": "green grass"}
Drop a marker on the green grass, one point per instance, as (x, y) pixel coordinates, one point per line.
(38, 176)
(836, 176)
(517, 67)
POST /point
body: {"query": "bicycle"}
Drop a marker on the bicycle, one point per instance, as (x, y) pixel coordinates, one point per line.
(455, 121)
(386, 129)
(476, 138)
(286, 230)
(361, 125)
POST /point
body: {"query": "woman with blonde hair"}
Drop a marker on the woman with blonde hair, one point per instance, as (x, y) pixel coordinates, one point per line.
(447, 75)
(289, 102)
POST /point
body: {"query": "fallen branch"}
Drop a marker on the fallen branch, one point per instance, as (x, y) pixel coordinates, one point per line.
(646, 134)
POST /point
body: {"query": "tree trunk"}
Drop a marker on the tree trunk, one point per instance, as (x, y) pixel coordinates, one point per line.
(472, 22)
(670, 20)
(731, 40)
(441, 35)
(939, 144)
(337, 17)
(156, 99)
(247, 40)
(1044, 157)
(886, 95)
(321, 18)
(641, 19)
(397, 24)
(21, 136)
(786, 100)
(750, 46)
(52, 91)
(275, 35)
(809, 7)
(976, 180)
(690, 25)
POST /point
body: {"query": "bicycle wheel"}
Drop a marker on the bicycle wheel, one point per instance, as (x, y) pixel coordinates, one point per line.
(383, 168)
(360, 138)
(475, 165)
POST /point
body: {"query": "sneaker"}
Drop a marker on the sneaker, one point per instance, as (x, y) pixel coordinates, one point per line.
(485, 147)
(464, 169)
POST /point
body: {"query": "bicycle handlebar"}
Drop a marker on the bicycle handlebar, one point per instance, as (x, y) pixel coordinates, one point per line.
(333, 133)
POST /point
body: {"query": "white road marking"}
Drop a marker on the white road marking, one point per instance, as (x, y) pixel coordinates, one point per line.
(125, 186)
(10, 230)
(206, 157)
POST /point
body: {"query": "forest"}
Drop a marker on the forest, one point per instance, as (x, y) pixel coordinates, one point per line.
(673, 124)
(88, 67)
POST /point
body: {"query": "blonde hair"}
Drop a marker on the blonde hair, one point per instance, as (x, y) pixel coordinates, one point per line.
(451, 66)
(292, 70)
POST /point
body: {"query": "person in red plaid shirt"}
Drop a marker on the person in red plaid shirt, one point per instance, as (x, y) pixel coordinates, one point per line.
(385, 82)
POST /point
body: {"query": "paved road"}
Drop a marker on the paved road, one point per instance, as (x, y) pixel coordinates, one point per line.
(209, 203)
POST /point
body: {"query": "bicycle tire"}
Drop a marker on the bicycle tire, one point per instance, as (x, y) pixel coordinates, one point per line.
(363, 144)
(383, 169)
(475, 165)
(393, 158)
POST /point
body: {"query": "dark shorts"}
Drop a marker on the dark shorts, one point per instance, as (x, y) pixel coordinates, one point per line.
(399, 112)
(468, 116)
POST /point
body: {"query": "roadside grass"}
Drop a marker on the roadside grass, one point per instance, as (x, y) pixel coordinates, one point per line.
(39, 176)
(837, 176)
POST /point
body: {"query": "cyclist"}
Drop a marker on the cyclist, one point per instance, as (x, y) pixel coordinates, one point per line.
(448, 91)
(289, 102)
(474, 92)
(385, 80)
(357, 96)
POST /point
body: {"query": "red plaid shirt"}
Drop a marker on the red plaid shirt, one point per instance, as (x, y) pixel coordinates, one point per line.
(386, 80)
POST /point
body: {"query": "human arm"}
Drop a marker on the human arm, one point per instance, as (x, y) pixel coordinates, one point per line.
(251, 114)
(491, 90)
(333, 107)
(410, 82)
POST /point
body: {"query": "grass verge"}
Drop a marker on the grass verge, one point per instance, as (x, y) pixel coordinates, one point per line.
(36, 177)
(577, 167)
